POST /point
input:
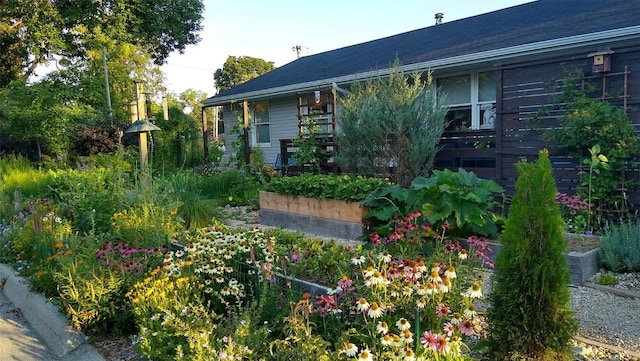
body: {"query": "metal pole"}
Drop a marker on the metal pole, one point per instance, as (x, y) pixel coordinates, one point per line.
(106, 85)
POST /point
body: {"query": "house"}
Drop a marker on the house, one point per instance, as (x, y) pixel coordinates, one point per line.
(496, 69)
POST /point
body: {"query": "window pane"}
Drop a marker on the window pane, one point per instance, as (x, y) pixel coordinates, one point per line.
(456, 88)
(263, 134)
(261, 113)
(487, 86)
(459, 118)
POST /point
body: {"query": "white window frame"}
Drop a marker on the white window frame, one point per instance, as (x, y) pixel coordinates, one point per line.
(254, 128)
(475, 104)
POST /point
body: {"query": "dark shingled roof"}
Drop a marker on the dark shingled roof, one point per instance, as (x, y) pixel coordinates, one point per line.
(523, 24)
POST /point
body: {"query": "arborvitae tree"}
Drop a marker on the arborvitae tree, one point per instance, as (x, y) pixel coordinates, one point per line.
(530, 317)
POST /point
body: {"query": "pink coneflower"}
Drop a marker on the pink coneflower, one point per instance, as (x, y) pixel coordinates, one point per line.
(448, 328)
(345, 283)
(295, 256)
(375, 239)
(466, 327)
(442, 310)
(443, 346)
(429, 340)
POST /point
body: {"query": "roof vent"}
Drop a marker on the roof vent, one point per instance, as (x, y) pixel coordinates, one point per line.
(439, 17)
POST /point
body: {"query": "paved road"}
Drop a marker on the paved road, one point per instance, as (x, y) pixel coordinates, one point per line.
(31, 329)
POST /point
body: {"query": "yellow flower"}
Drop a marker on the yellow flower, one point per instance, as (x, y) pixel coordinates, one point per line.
(59, 245)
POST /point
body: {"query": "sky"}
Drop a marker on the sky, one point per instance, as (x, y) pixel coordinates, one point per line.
(271, 30)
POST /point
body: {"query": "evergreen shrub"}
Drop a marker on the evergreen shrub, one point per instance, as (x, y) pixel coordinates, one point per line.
(529, 314)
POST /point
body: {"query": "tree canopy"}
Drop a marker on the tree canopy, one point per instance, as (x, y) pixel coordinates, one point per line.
(238, 70)
(32, 32)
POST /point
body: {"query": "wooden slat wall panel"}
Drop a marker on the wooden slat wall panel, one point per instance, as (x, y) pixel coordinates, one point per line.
(526, 87)
(523, 89)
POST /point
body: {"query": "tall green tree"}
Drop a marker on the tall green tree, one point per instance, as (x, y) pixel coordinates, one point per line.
(29, 35)
(390, 123)
(182, 131)
(238, 70)
(76, 94)
(33, 31)
(530, 317)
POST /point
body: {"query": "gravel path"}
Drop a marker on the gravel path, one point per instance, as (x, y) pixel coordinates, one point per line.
(610, 315)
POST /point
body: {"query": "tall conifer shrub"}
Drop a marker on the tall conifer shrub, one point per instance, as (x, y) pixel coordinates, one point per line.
(530, 317)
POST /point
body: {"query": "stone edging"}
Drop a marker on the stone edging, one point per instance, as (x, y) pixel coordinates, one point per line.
(613, 290)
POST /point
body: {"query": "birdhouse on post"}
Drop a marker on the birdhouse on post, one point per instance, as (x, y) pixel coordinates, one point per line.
(140, 111)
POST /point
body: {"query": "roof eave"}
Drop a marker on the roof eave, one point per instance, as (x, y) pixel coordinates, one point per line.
(456, 61)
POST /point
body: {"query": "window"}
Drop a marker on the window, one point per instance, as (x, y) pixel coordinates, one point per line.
(472, 100)
(262, 134)
(316, 110)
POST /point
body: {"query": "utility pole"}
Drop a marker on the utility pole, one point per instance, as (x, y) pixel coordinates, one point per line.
(106, 85)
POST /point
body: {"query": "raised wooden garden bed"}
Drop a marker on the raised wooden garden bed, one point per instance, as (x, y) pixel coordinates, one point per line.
(324, 217)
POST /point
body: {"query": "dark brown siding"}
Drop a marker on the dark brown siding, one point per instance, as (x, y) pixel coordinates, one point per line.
(522, 89)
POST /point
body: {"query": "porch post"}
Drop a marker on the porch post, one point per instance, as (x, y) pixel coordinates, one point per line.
(245, 118)
(205, 137)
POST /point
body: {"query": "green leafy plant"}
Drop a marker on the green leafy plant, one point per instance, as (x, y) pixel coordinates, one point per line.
(345, 187)
(596, 162)
(529, 313)
(607, 279)
(459, 199)
(310, 154)
(92, 285)
(620, 247)
(587, 122)
(300, 343)
(390, 126)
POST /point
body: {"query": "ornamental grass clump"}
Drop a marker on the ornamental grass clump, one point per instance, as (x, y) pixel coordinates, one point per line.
(530, 317)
